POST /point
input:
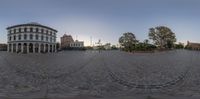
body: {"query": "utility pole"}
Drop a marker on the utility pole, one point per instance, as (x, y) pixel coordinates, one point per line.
(99, 45)
(91, 41)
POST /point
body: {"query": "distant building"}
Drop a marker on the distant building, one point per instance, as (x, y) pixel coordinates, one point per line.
(77, 44)
(31, 38)
(107, 46)
(66, 40)
(3, 47)
(193, 46)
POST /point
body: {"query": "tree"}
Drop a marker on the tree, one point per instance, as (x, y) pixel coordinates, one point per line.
(128, 41)
(146, 41)
(162, 36)
(114, 47)
(179, 46)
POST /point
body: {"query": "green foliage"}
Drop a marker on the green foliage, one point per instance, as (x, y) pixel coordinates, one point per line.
(179, 46)
(188, 47)
(162, 36)
(113, 47)
(144, 47)
(128, 40)
(89, 48)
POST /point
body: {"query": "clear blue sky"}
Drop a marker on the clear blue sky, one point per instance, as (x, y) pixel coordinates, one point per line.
(104, 19)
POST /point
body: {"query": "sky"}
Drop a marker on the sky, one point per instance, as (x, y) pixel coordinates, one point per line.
(104, 19)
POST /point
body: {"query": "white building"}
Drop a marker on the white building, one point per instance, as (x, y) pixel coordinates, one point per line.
(31, 38)
(77, 44)
(107, 46)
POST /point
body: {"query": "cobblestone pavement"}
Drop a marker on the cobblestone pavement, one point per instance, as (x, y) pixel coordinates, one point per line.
(110, 74)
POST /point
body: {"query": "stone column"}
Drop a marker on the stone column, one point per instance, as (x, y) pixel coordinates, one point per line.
(39, 49)
(22, 47)
(48, 48)
(44, 47)
(55, 48)
(33, 47)
(12, 47)
(16, 47)
(27, 47)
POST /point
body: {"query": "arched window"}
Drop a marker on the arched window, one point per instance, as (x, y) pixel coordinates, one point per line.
(10, 38)
(25, 36)
(31, 36)
(36, 37)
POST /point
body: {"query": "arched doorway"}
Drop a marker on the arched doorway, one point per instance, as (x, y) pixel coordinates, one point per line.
(37, 48)
(54, 48)
(51, 48)
(19, 48)
(30, 48)
(47, 47)
(25, 48)
(14, 48)
(42, 48)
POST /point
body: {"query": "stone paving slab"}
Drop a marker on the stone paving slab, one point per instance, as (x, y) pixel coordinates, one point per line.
(106, 75)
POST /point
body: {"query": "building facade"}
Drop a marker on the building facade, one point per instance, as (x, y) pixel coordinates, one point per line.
(77, 44)
(31, 38)
(3, 47)
(107, 46)
(193, 46)
(66, 40)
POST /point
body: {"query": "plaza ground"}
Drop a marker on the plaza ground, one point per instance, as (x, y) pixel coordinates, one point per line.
(108, 75)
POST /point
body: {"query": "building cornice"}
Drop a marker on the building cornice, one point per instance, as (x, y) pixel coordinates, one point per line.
(31, 24)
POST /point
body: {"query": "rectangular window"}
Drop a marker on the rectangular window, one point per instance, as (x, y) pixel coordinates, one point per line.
(31, 36)
(19, 37)
(47, 39)
(31, 29)
(42, 37)
(14, 30)
(25, 29)
(14, 37)
(25, 36)
(19, 30)
(36, 37)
